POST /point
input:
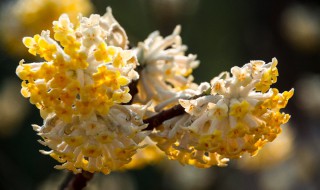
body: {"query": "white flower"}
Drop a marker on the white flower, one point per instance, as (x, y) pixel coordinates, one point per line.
(100, 143)
(166, 70)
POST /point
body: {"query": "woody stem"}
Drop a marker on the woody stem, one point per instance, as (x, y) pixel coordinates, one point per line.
(76, 182)
(159, 118)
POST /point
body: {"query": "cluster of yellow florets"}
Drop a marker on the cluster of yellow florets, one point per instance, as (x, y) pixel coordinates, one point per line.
(75, 79)
(240, 115)
(79, 89)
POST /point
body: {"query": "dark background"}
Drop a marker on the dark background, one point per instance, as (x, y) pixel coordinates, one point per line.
(223, 34)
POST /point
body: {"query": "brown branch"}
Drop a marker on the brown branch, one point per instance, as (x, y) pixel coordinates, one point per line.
(133, 86)
(159, 118)
(76, 182)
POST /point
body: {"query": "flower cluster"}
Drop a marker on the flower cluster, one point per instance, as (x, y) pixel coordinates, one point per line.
(25, 20)
(166, 70)
(95, 121)
(82, 77)
(240, 115)
(79, 89)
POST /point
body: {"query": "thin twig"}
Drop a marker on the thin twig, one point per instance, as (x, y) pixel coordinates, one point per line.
(76, 182)
(159, 118)
(133, 86)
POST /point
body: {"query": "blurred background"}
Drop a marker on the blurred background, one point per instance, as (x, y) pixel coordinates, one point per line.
(223, 34)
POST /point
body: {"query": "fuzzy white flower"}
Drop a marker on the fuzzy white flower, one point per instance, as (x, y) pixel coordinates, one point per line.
(100, 143)
(166, 70)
